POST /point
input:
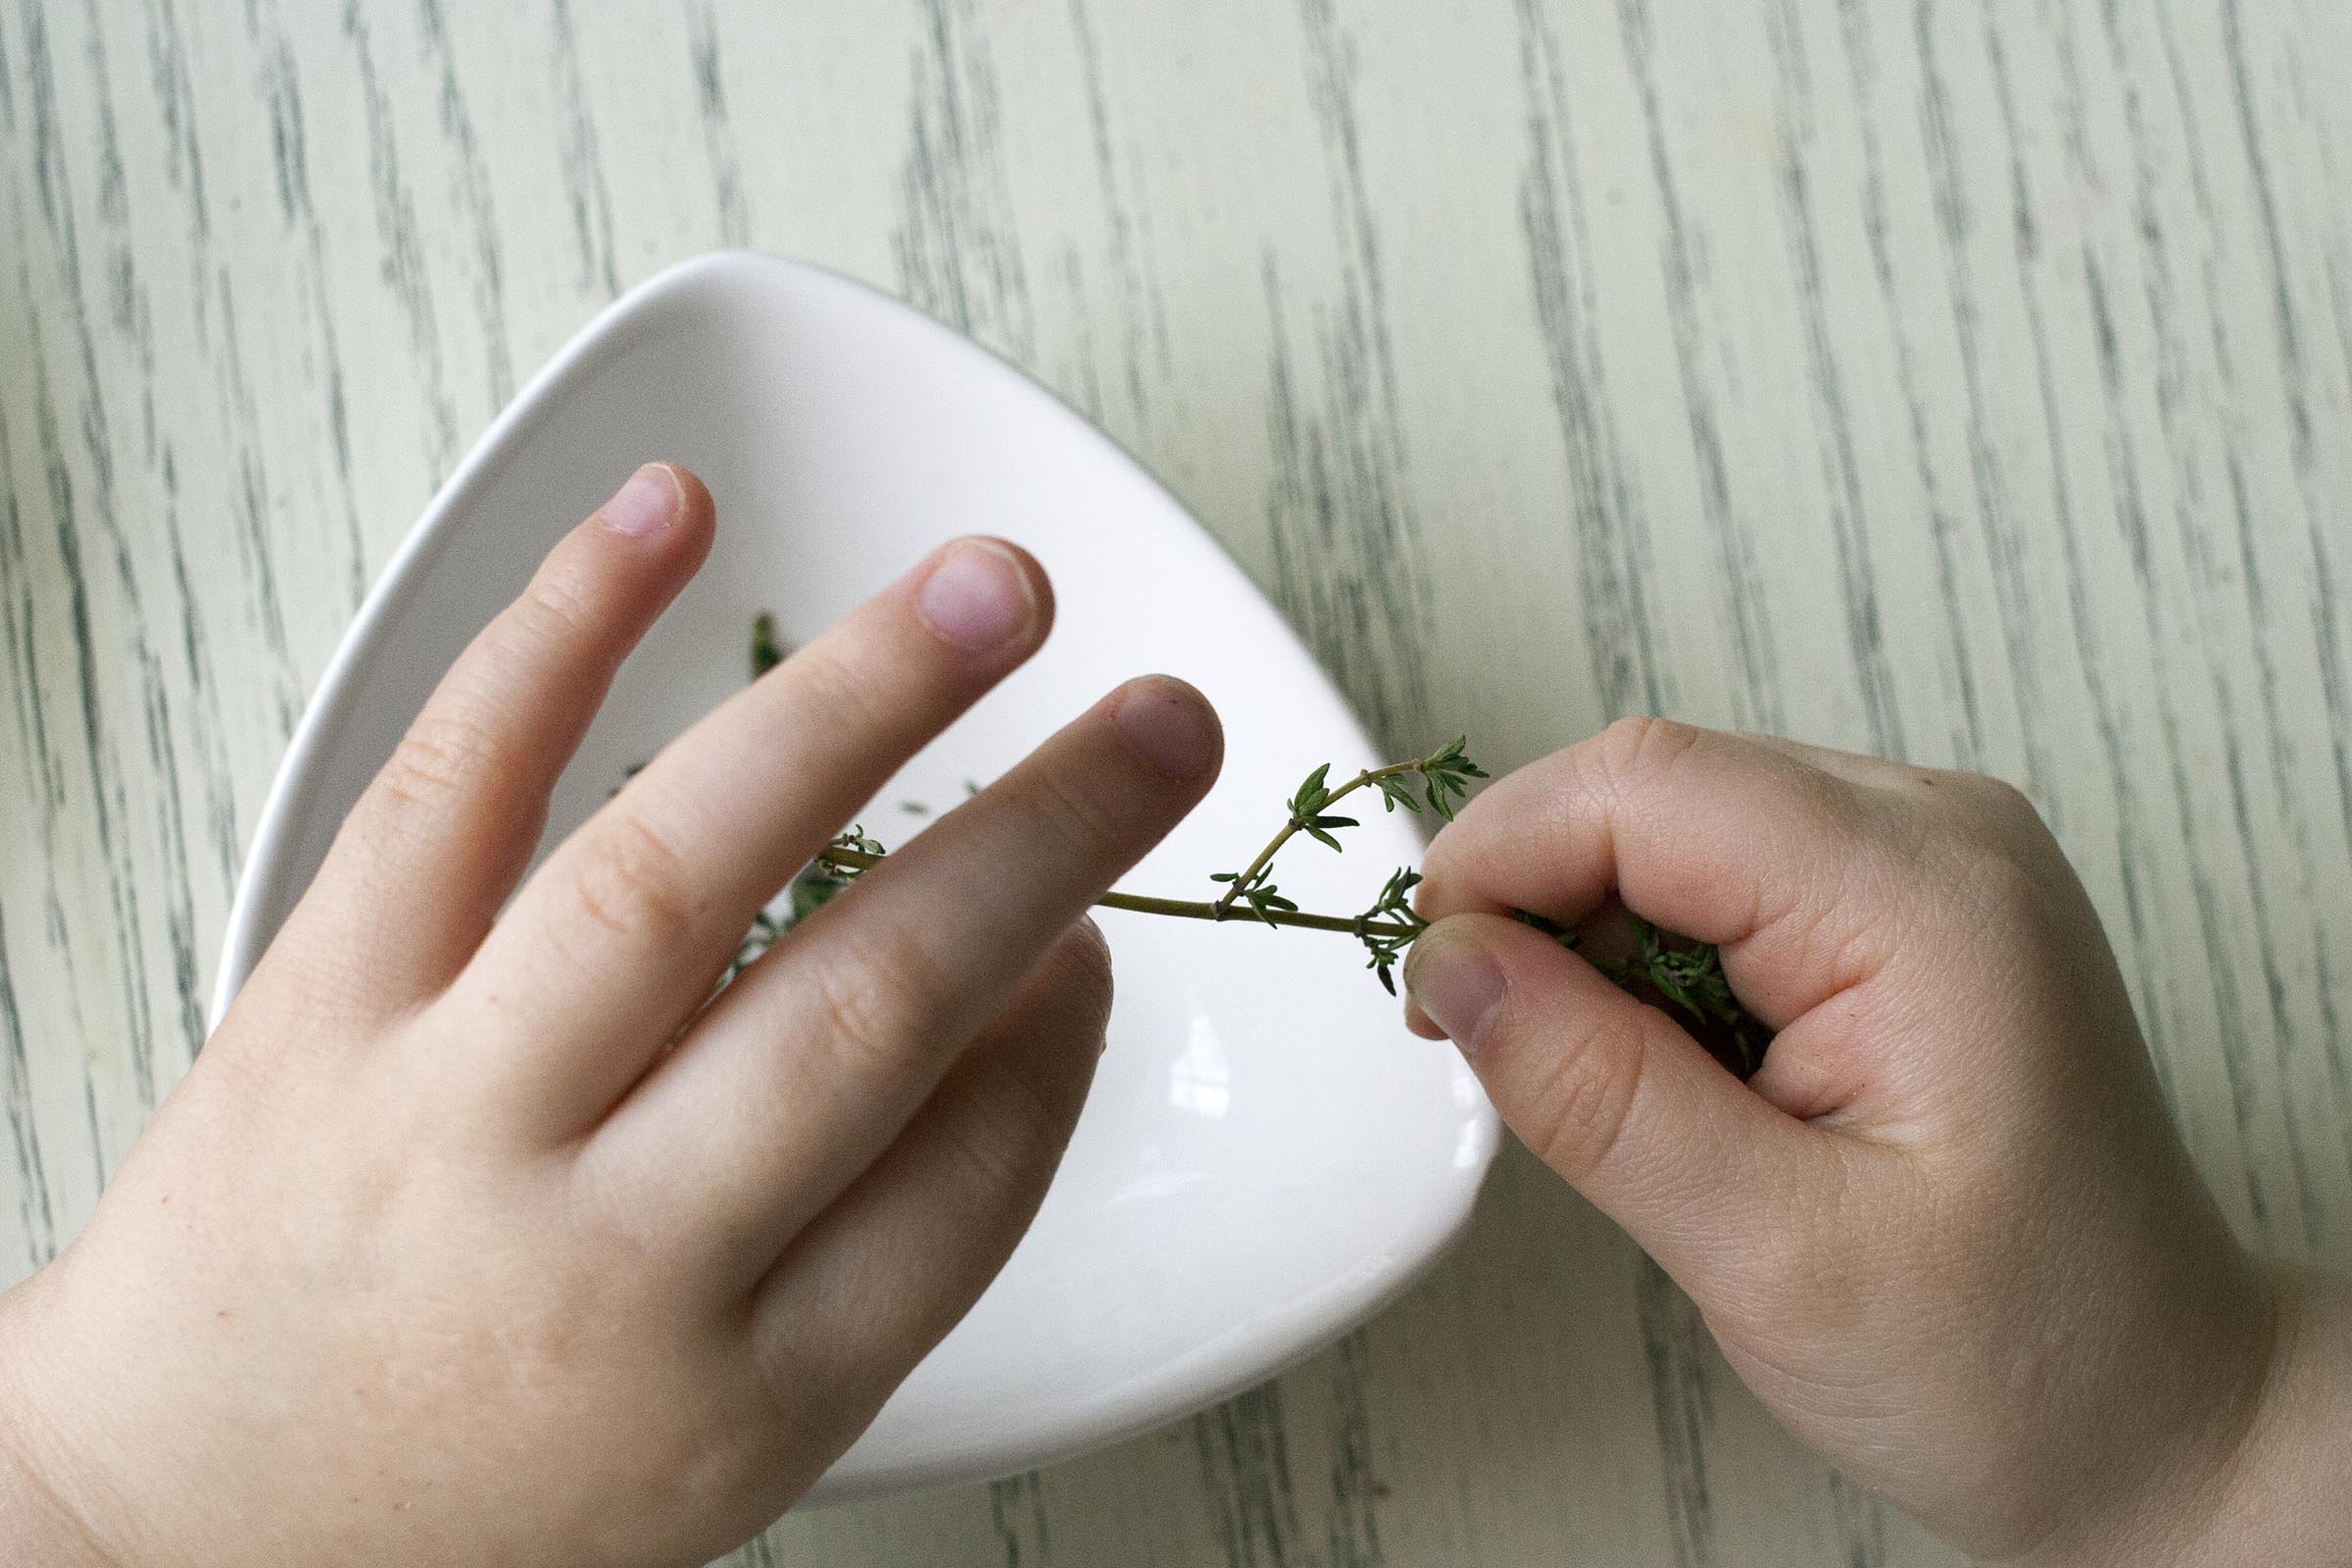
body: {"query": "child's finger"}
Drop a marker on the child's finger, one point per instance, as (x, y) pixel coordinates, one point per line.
(874, 1281)
(810, 1065)
(618, 937)
(1799, 872)
(436, 842)
(1617, 1099)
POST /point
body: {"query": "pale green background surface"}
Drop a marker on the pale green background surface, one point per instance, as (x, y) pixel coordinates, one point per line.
(1968, 382)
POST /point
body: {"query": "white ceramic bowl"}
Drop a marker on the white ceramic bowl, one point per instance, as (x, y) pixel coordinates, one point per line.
(1268, 1156)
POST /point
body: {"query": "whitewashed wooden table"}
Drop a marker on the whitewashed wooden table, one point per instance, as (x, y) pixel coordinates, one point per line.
(1967, 381)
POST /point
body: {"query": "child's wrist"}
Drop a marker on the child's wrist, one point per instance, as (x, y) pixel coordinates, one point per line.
(2242, 1487)
(35, 1527)
(37, 1521)
(2280, 1495)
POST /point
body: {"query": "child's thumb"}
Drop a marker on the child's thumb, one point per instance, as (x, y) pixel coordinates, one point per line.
(1611, 1094)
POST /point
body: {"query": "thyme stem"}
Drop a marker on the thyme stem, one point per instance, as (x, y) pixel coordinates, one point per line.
(1686, 976)
(844, 860)
(1248, 878)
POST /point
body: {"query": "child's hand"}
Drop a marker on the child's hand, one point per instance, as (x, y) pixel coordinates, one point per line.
(473, 1243)
(1947, 1234)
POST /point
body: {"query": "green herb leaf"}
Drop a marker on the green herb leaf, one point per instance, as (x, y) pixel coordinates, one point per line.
(811, 891)
(1550, 928)
(1319, 828)
(766, 652)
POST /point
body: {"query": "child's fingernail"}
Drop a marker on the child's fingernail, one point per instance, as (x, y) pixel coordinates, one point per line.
(646, 504)
(977, 596)
(1172, 725)
(1454, 982)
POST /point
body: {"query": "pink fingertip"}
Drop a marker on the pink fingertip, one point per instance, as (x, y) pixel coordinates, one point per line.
(645, 505)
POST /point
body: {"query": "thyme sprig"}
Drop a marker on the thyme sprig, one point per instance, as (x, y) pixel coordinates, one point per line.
(767, 651)
(1442, 775)
(1662, 970)
(845, 861)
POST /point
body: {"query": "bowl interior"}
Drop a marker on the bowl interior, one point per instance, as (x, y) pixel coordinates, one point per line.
(1267, 1154)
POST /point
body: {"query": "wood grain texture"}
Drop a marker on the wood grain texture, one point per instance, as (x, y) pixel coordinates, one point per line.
(1964, 380)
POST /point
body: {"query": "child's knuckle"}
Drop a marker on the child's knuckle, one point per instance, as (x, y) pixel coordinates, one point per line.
(1011, 1131)
(805, 1383)
(2002, 805)
(1082, 823)
(834, 695)
(1586, 1099)
(556, 611)
(2002, 882)
(633, 884)
(444, 757)
(864, 1005)
(1837, 939)
(1635, 750)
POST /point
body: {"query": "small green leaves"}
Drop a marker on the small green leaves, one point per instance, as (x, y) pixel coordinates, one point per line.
(856, 841)
(1394, 791)
(1445, 774)
(1692, 979)
(1392, 900)
(1309, 798)
(1550, 928)
(1443, 777)
(1319, 828)
(812, 890)
(1307, 807)
(766, 652)
(1395, 906)
(1263, 898)
(1688, 977)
